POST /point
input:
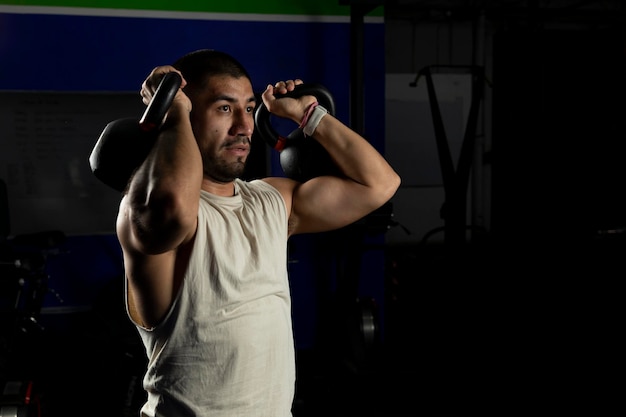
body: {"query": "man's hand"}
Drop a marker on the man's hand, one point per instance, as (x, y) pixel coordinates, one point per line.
(151, 83)
(286, 107)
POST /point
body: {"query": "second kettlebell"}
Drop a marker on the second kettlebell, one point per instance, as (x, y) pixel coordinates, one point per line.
(301, 157)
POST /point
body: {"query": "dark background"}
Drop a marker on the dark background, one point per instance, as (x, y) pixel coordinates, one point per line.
(520, 319)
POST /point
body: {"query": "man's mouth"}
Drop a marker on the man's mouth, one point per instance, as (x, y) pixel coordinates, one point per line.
(239, 146)
(238, 143)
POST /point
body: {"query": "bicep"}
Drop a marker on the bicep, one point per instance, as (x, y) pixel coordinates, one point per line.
(328, 203)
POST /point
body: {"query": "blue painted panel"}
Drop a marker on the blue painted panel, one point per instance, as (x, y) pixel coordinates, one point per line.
(90, 53)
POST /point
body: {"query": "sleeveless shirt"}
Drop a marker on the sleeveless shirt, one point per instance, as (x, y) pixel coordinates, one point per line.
(225, 348)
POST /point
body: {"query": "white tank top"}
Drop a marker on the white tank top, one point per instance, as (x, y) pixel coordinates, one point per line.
(226, 347)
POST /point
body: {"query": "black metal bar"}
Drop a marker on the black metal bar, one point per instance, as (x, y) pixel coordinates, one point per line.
(356, 68)
(358, 10)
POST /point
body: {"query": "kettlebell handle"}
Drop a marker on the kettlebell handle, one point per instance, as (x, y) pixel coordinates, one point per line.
(161, 101)
(262, 114)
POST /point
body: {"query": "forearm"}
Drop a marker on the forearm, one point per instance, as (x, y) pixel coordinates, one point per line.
(164, 192)
(357, 159)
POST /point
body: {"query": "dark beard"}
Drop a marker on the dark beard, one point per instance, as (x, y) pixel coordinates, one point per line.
(222, 172)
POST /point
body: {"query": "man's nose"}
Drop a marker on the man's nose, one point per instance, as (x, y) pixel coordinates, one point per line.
(243, 124)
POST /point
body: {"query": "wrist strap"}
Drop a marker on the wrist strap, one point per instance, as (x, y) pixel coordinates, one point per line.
(314, 119)
(307, 114)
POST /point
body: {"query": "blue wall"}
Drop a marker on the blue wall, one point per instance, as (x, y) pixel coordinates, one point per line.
(114, 54)
(90, 53)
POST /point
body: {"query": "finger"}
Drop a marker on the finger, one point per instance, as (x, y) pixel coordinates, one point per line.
(280, 87)
(145, 93)
(268, 95)
(290, 85)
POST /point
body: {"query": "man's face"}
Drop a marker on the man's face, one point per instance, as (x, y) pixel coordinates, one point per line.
(222, 118)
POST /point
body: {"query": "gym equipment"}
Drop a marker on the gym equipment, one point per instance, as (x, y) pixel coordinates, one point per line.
(124, 143)
(24, 283)
(455, 182)
(301, 157)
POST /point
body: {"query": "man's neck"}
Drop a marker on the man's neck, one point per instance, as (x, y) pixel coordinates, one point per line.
(224, 189)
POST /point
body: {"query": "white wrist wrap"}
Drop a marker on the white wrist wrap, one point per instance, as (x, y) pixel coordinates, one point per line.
(314, 120)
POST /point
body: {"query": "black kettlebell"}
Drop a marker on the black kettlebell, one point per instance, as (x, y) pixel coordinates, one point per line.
(125, 143)
(301, 157)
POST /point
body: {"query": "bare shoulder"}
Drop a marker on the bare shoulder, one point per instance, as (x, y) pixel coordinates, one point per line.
(285, 187)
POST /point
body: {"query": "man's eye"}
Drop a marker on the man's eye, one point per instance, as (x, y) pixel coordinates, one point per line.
(250, 109)
(225, 107)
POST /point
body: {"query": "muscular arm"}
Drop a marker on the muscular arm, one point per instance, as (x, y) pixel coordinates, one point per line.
(158, 215)
(331, 202)
(328, 202)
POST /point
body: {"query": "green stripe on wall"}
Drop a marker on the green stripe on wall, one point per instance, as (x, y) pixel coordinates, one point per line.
(285, 7)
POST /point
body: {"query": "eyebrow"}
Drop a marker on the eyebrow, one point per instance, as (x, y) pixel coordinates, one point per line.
(230, 99)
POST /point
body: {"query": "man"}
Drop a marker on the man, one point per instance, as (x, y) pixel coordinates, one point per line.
(205, 253)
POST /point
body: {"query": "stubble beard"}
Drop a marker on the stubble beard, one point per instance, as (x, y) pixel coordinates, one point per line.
(223, 172)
